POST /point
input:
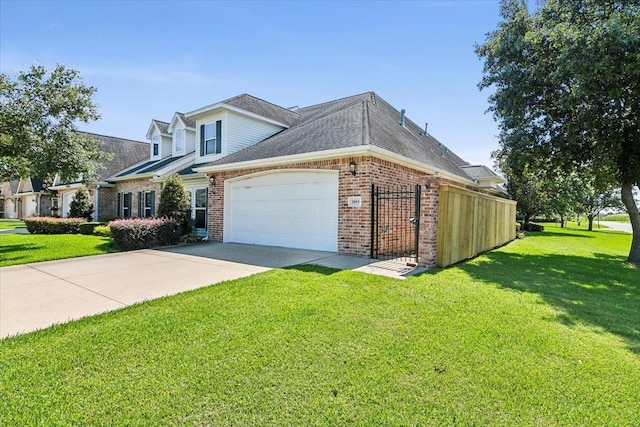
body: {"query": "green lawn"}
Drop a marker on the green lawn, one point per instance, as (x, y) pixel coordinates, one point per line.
(26, 248)
(623, 217)
(6, 224)
(542, 332)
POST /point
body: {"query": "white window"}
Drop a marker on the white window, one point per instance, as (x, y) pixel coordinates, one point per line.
(211, 144)
(178, 137)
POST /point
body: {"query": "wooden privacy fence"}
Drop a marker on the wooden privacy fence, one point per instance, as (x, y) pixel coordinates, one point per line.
(470, 223)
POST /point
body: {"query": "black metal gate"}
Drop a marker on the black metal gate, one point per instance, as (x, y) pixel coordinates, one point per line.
(395, 223)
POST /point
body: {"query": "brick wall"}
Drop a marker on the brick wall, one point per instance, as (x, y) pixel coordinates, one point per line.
(134, 187)
(354, 224)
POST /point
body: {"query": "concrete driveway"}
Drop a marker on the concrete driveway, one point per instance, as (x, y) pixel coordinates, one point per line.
(38, 295)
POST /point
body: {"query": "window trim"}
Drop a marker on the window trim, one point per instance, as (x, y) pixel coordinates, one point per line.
(216, 140)
(181, 132)
(155, 146)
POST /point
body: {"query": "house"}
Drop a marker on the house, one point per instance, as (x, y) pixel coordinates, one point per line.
(172, 150)
(125, 153)
(353, 176)
(24, 198)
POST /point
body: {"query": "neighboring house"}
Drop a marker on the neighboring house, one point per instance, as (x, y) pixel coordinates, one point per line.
(306, 177)
(125, 154)
(24, 198)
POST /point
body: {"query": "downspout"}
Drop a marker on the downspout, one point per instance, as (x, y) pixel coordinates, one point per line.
(95, 205)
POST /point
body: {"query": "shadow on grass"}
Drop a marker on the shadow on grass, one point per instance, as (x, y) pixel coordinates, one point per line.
(603, 291)
(311, 268)
(17, 252)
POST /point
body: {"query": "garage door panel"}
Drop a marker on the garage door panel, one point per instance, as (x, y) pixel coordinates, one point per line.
(291, 209)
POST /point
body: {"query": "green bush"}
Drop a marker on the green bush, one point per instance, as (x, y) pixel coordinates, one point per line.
(81, 206)
(102, 230)
(88, 227)
(142, 233)
(175, 203)
(49, 225)
(532, 226)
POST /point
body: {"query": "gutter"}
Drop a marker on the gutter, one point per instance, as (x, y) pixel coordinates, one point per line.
(356, 151)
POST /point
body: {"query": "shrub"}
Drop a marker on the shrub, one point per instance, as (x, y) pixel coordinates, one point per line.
(102, 230)
(49, 225)
(532, 226)
(81, 206)
(175, 203)
(87, 228)
(141, 233)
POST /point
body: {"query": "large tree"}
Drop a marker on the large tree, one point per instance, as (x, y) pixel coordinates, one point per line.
(39, 113)
(566, 82)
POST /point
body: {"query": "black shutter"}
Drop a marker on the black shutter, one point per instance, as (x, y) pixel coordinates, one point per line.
(202, 140)
(219, 137)
(153, 203)
(119, 212)
(140, 204)
(130, 203)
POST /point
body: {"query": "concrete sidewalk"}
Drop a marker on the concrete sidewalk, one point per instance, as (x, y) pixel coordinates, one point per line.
(38, 295)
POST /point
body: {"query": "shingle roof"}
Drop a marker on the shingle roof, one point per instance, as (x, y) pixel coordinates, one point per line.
(187, 121)
(479, 172)
(150, 166)
(126, 152)
(163, 126)
(348, 122)
(263, 108)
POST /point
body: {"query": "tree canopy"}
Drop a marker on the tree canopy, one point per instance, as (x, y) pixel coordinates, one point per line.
(567, 92)
(39, 113)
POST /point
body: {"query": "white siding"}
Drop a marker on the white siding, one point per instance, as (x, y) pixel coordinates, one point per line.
(243, 132)
(238, 132)
(189, 141)
(166, 146)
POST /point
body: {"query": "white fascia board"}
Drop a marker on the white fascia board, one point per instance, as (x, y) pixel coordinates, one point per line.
(356, 151)
(65, 186)
(195, 114)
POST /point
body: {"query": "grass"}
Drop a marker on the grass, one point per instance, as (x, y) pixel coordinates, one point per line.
(542, 332)
(623, 217)
(27, 248)
(6, 224)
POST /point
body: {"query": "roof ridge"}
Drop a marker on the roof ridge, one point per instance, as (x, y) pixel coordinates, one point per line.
(259, 99)
(365, 123)
(338, 100)
(322, 117)
(111, 136)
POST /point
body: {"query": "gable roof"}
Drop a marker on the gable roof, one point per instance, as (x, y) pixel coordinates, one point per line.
(188, 123)
(359, 120)
(253, 105)
(163, 127)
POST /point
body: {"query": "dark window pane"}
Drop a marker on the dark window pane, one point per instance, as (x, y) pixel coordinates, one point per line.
(201, 198)
(201, 218)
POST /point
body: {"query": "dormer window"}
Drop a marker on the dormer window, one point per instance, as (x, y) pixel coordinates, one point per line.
(156, 145)
(210, 138)
(179, 140)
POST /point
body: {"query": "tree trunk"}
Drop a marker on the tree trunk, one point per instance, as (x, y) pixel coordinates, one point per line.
(561, 221)
(634, 215)
(590, 218)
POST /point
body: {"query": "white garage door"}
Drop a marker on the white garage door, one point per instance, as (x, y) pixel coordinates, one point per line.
(67, 198)
(297, 209)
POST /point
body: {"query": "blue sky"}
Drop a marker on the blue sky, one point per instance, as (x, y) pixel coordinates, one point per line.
(150, 59)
